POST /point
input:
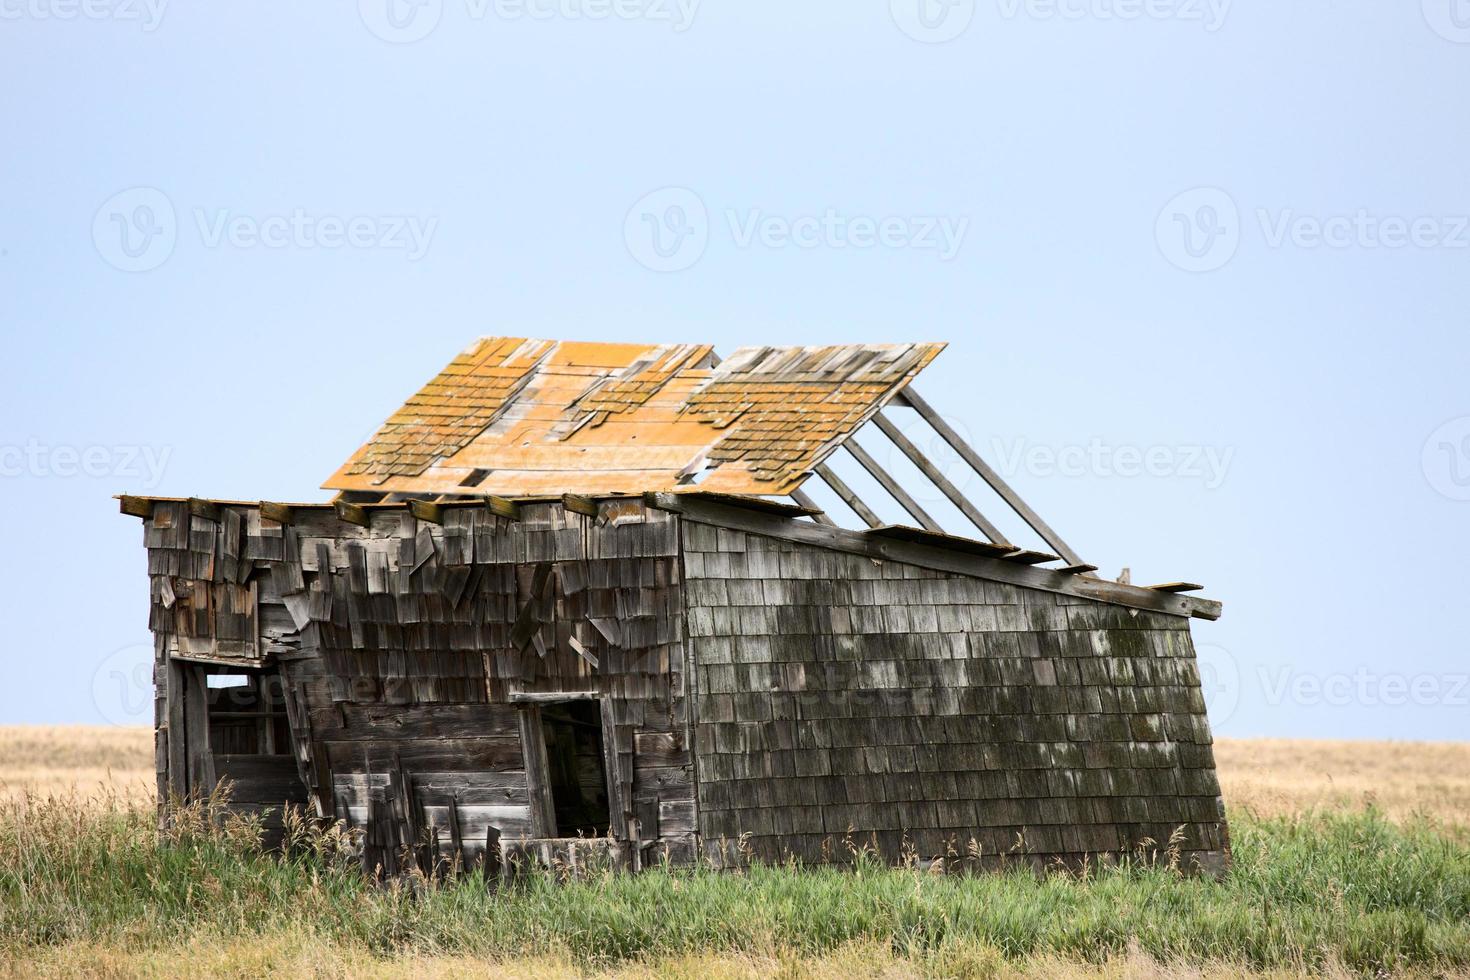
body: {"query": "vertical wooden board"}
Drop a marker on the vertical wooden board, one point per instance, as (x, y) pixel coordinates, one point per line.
(533, 744)
(617, 788)
(200, 760)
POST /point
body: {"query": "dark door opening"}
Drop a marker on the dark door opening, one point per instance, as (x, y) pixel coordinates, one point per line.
(576, 769)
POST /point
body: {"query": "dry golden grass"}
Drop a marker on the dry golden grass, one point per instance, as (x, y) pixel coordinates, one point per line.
(1270, 777)
(1274, 777)
(1267, 777)
(76, 759)
(301, 955)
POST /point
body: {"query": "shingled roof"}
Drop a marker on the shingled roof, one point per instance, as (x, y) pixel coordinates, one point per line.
(515, 417)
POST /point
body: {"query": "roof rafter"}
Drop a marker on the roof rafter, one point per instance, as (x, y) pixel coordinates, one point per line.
(912, 398)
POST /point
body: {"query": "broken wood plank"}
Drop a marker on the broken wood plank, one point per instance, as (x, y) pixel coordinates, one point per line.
(1176, 587)
(578, 504)
(1024, 557)
(427, 511)
(280, 513)
(351, 513)
(501, 507)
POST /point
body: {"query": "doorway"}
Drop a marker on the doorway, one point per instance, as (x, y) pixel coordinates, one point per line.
(576, 767)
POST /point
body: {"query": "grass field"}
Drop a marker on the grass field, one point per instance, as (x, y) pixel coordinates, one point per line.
(1351, 859)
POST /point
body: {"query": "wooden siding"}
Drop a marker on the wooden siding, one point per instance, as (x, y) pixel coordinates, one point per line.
(404, 643)
(844, 694)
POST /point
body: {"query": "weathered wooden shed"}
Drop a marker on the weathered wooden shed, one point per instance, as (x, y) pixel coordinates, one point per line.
(562, 593)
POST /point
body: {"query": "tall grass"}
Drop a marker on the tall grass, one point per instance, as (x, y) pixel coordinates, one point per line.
(1305, 891)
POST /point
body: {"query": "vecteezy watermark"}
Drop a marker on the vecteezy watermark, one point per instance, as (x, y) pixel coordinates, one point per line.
(137, 230)
(1365, 688)
(669, 229)
(936, 449)
(122, 686)
(407, 21)
(1208, 465)
(148, 14)
(144, 465)
(1200, 230)
(1209, 13)
(1450, 19)
(1219, 681)
(932, 21)
(1446, 459)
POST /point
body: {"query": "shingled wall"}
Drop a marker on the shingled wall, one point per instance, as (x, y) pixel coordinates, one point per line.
(841, 694)
(403, 644)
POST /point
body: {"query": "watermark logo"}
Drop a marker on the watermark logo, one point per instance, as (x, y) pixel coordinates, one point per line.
(1446, 459)
(1364, 688)
(1199, 230)
(135, 230)
(122, 686)
(142, 465)
(138, 229)
(148, 14)
(1450, 19)
(401, 21)
(937, 450)
(932, 21)
(1209, 13)
(1206, 465)
(667, 230)
(1219, 681)
(407, 21)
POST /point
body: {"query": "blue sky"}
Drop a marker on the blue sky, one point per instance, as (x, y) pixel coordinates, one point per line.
(1201, 265)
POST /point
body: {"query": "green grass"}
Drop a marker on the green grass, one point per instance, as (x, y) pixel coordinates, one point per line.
(1305, 891)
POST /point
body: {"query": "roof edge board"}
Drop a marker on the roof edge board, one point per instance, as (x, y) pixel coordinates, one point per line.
(949, 559)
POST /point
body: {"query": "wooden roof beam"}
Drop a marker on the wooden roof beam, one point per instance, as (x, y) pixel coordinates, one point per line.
(937, 477)
(804, 500)
(889, 484)
(912, 398)
(849, 498)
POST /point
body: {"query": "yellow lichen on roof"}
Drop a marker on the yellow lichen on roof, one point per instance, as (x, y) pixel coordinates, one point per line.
(516, 417)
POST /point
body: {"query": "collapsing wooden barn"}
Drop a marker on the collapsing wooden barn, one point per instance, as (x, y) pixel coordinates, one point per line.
(576, 590)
